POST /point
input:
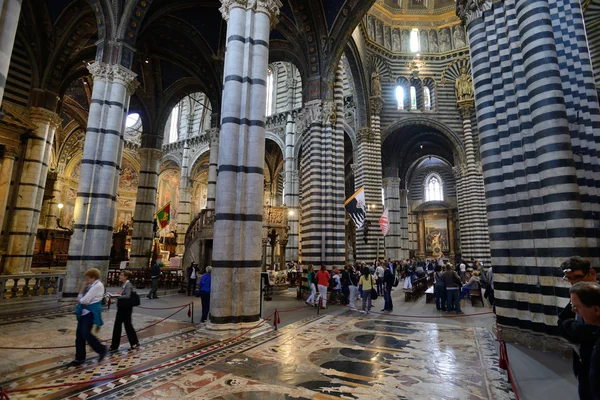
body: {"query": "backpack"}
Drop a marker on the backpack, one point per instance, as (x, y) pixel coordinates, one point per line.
(374, 294)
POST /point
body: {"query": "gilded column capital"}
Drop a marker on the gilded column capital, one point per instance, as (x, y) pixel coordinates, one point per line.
(39, 115)
(11, 152)
(376, 105)
(269, 7)
(465, 108)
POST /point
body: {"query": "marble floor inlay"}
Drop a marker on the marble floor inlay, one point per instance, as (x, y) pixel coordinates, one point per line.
(317, 358)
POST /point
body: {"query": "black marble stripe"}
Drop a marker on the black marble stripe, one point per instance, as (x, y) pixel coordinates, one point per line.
(239, 217)
(100, 162)
(241, 169)
(147, 187)
(107, 102)
(242, 39)
(96, 195)
(17, 256)
(243, 121)
(106, 131)
(149, 173)
(236, 264)
(528, 325)
(145, 204)
(245, 79)
(234, 319)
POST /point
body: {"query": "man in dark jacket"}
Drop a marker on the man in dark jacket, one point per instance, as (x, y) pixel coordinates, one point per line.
(577, 269)
(388, 284)
(452, 283)
(346, 285)
(585, 302)
(192, 273)
(155, 275)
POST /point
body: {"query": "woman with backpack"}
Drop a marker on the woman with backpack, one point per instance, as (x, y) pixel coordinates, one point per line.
(312, 285)
(125, 303)
(368, 285)
(323, 278)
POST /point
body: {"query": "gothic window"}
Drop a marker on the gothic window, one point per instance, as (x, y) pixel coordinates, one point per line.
(173, 129)
(434, 189)
(414, 40)
(427, 99)
(413, 98)
(269, 110)
(400, 97)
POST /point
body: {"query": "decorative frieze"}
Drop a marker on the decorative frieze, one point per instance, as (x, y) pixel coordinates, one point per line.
(311, 113)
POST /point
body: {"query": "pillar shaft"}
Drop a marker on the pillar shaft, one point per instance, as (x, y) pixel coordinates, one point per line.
(9, 20)
(404, 223)
(6, 173)
(291, 189)
(145, 208)
(26, 216)
(393, 240)
(53, 211)
(235, 291)
(323, 225)
(212, 168)
(100, 167)
(184, 211)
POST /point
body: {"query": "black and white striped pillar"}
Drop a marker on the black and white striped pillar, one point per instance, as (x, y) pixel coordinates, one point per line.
(369, 176)
(393, 240)
(404, 231)
(7, 165)
(323, 225)
(291, 189)
(9, 20)
(474, 234)
(538, 129)
(145, 208)
(235, 290)
(27, 210)
(211, 190)
(100, 168)
(184, 209)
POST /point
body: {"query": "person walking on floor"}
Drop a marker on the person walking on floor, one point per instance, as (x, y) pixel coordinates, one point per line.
(323, 278)
(312, 285)
(336, 295)
(124, 311)
(155, 276)
(452, 282)
(388, 284)
(89, 313)
(440, 289)
(368, 283)
(192, 273)
(379, 274)
(345, 285)
(204, 293)
(353, 287)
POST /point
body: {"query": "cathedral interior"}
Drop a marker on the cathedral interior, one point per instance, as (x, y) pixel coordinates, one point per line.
(231, 133)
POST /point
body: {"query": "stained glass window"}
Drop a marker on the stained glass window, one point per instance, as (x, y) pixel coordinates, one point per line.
(400, 97)
(433, 189)
(413, 98)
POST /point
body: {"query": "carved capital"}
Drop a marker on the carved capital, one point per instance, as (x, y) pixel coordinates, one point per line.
(391, 181)
(150, 154)
(366, 135)
(114, 73)
(269, 7)
(311, 113)
(376, 105)
(329, 113)
(11, 152)
(469, 10)
(41, 116)
(212, 136)
(16, 117)
(459, 171)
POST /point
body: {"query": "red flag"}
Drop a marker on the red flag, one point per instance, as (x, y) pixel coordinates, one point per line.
(384, 222)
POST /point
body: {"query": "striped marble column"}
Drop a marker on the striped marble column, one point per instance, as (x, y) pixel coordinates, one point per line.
(9, 20)
(26, 215)
(9, 156)
(474, 234)
(323, 213)
(53, 211)
(538, 129)
(184, 210)
(213, 164)
(369, 176)
(99, 178)
(391, 192)
(404, 253)
(235, 290)
(145, 208)
(291, 189)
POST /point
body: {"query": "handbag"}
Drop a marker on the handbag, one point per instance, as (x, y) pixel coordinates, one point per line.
(374, 294)
(135, 299)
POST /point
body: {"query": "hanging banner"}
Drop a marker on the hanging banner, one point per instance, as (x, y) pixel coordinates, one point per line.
(356, 207)
(163, 216)
(384, 222)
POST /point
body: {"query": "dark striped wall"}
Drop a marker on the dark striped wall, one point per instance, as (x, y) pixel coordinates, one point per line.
(19, 80)
(592, 20)
(538, 129)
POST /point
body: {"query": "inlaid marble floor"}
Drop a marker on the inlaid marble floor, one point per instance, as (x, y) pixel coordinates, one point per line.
(316, 358)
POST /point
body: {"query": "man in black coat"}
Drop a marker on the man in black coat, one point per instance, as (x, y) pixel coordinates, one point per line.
(585, 302)
(388, 283)
(577, 269)
(155, 275)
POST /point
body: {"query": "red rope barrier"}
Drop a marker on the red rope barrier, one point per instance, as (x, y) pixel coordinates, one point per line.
(3, 394)
(119, 376)
(105, 340)
(503, 362)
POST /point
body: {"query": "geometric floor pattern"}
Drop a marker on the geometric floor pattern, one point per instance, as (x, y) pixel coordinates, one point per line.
(322, 357)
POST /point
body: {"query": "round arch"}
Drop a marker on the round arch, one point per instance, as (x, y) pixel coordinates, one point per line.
(204, 148)
(277, 139)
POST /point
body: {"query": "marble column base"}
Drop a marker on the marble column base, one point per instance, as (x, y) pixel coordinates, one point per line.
(553, 344)
(227, 331)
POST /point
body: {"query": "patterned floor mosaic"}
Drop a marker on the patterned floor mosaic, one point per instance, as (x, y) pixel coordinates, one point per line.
(317, 358)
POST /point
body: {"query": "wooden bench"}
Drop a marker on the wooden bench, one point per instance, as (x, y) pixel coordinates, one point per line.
(476, 295)
(430, 294)
(419, 286)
